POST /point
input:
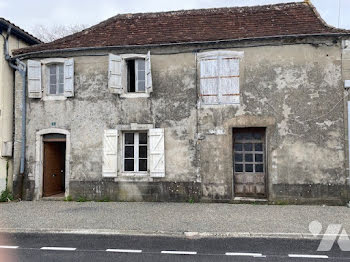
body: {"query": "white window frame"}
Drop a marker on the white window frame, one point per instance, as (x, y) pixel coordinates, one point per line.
(136, 66)
(57, 79)
(218, 56)
(136, 152)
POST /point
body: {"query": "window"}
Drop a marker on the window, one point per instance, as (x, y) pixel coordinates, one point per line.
(135, 75)
(135, 151)
(219, 77)
(56, 79)
(130, 75)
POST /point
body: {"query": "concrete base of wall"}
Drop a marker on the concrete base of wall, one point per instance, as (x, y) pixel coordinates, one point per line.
(191, 191)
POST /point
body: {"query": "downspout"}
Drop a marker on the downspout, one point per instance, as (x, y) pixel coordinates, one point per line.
(19, 66)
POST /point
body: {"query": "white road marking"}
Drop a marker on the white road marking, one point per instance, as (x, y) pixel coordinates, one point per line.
(10, 247)
(179, 252)
(244, 254)
(307, 256)
(59, 248)
(124, 250)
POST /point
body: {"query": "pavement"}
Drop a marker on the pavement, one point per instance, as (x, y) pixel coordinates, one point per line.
(169, 219)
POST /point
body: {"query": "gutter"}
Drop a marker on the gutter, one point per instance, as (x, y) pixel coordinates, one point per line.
(26, 55)
(18, 65)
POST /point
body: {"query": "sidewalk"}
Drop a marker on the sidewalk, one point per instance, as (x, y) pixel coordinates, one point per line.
(169, 219)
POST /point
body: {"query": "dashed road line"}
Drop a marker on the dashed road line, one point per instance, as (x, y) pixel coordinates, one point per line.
(59, 248)
(307, 256)
(172, 252)
(244, 254)
(124, 250)
(9, 247)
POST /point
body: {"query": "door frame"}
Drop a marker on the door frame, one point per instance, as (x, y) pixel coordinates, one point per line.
(39, 160)
(266, 162)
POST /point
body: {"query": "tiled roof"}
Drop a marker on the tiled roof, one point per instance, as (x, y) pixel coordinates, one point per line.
(19, 32)
(196, 26)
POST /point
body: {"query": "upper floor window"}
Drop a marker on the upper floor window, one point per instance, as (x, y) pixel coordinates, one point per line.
(219, 77)
(135, 75)
(130, 74)
(56, 79)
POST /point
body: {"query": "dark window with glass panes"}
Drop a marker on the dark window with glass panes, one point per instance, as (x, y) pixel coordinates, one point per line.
(249, 150)
(135, 75)
(135, 151)
(56, 79)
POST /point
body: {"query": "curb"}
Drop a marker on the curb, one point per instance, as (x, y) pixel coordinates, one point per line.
(189, 235)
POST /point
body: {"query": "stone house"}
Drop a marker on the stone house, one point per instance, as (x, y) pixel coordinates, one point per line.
(18, 38)
(226, 104)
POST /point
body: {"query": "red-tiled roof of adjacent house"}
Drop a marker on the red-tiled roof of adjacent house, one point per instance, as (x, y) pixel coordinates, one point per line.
(18, 32)
(201, 25)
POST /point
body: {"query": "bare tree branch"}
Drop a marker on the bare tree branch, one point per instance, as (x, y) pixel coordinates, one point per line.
(49, 34)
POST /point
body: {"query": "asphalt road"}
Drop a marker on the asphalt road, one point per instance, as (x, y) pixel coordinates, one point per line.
(65, 247)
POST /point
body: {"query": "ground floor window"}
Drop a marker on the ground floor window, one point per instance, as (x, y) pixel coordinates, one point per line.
(135, 151)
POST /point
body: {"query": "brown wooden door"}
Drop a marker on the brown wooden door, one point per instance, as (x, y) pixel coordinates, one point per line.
(249, 166)
(54, 168)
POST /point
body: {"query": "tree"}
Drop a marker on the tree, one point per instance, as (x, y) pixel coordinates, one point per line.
(51, 33)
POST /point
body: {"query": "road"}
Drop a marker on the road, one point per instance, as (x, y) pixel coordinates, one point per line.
(66, 247)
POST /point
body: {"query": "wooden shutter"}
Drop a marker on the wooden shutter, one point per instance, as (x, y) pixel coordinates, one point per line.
(148, 73)
(34, 79)
(69, 77)
(115, 70)
(110, 149)
(157, 160)
(209, 80)
(229, 80)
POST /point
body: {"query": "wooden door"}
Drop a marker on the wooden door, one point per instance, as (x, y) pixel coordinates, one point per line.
(54, 168)
(249, 168)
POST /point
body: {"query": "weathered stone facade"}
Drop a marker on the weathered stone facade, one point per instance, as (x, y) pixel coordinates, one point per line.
(293, 87)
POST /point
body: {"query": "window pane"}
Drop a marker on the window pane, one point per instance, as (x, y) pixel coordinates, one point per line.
(259, 168)
(248, 147)
(259, 147)
(52, 69)
(143, 138)
(60, 89)
(142, 151)
(53, 79)
(141, 86)
(129, 164)
(60, 69)
(238, 157)
(248, 157)
(248, 168)
(129, 138)
(52, 89)
(129, 152)
(258, 157)
(238, 168)
(141, 64)
(141, 75)
(257, 135)
(238, 147)
(143, 165)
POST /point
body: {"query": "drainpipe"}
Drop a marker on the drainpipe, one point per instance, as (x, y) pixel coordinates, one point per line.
(19, 66)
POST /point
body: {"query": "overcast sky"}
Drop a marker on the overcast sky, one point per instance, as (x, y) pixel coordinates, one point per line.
(28, 13)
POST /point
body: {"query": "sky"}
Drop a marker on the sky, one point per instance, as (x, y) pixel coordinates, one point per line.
(29, 13)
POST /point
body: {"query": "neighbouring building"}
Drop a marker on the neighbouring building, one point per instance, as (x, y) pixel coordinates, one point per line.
(17, 39)
(225, 104)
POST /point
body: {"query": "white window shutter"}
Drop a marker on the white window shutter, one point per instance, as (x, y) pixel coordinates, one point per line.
(69, 77)
(115, 70)
(148, 73)
(209, 80)
(157, 158)
(34, 79)
(229, 80)
(110, 150)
